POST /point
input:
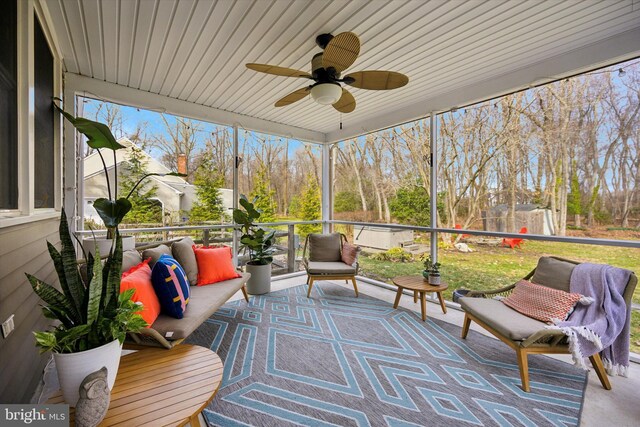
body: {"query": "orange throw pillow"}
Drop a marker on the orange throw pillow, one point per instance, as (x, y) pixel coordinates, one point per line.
(139, 278)
(214, 265)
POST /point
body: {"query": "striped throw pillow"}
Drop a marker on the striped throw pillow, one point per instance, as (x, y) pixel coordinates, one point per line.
(540, 302)
(171, 285)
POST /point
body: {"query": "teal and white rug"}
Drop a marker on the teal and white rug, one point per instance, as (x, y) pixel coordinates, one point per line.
(335, 359)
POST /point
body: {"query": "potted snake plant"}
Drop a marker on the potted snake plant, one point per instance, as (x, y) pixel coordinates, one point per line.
(257, 243)
(93, 317)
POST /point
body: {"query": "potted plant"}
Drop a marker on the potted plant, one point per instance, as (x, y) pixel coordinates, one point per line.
(257, 243)
(111, 210)
(431, 271)
(94, 317)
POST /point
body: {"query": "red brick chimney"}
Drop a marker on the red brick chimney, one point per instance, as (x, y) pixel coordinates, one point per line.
(182, 163)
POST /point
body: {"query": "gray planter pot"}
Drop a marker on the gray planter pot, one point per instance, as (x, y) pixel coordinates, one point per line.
(260, 281)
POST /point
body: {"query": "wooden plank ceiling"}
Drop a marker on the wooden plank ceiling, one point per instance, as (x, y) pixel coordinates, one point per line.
(195, 50)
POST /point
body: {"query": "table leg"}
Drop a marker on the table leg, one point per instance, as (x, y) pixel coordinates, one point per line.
(194, 420)
(423, 305)
(444, 307)
(415, 297)
(398, 295)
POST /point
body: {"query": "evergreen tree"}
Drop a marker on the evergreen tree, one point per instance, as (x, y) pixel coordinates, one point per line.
(208, 181)
(574, 198)
(412, 205)
(264, 196)
(310, 206)
(144, 210)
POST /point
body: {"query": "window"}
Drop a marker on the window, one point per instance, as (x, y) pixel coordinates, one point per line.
(44, 144)
(8, 107)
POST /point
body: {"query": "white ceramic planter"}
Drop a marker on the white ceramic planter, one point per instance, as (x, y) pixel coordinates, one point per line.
(260, 281)
(90, 244)
(74, 367)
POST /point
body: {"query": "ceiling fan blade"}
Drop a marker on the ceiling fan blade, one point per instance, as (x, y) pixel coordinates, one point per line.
(293, 97)
(341, 52)
(376, 80)
(346, 103)
(278, 71)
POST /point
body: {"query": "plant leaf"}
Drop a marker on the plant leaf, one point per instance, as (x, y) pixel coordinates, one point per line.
(95, 292)
(111, 211)
(46, 341)
(53, 297)
(71, 274)
(59, 266)
(112, 288)
(98, 134)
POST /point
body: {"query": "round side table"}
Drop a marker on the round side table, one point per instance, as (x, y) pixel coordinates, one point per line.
(419, 286)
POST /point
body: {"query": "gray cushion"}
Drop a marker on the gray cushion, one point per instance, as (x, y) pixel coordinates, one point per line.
(183, 253)
(333, 267)
(553, 273)
(130, 259)
(203, 302)
(155, 254)
(324, 247)
(503, 319)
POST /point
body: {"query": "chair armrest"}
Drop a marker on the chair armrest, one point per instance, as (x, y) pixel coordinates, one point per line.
(506, 290)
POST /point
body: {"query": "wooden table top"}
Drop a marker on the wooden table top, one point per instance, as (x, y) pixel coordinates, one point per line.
(159, 387)
(418, 283)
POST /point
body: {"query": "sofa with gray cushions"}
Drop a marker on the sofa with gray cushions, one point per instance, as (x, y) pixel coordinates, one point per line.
(167, 331)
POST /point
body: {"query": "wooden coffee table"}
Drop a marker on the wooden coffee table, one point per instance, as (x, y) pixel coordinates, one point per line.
(160, 387)
(419, 285)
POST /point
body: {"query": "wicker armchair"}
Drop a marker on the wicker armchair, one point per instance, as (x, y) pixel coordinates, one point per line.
(523, 334)
(322, 259)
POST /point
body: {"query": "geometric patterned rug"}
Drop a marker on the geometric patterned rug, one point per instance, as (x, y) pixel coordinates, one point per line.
(335, 359)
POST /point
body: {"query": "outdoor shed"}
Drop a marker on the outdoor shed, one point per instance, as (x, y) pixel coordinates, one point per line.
(536, 218)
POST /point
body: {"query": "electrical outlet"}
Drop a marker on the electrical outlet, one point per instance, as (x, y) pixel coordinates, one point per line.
(8, 326)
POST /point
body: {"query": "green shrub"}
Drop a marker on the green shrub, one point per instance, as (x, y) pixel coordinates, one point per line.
(394, 255)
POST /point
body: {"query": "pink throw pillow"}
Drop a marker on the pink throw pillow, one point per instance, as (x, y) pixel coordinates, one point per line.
(540, 302)
(349, 253)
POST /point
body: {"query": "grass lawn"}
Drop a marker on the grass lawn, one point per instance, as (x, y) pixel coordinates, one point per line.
(493, 267)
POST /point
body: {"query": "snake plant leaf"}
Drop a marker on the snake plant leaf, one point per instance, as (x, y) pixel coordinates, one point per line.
(98, 134)
(57, 262)
(71, 274)
(112, 287)
(95, 292)
(53, 297)
(111, 211)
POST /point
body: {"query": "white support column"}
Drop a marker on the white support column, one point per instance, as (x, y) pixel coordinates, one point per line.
(433, 185)
(236, 180)
(73, 165)
(326, 187)
(26, 108)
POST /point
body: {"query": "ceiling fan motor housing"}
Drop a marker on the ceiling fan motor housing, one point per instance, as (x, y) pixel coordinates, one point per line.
(319, 73)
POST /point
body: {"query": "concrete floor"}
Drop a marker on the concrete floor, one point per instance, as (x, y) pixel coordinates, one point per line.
(617, 407)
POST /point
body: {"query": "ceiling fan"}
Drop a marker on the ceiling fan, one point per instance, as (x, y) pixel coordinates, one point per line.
(339, 53)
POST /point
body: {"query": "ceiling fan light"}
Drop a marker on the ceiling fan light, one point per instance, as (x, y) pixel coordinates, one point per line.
(326, 93)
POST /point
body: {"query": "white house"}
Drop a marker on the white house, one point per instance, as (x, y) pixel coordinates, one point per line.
(174, 193)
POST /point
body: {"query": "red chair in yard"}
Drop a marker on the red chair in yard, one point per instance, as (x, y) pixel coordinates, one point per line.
(464, 236)
(513, 242)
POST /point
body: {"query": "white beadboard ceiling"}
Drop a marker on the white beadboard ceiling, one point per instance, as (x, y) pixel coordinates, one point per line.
(454, 52)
